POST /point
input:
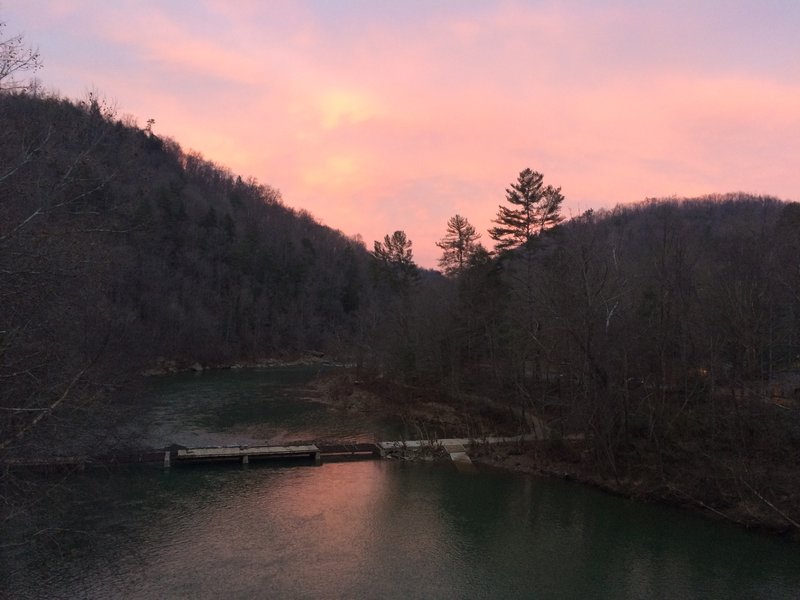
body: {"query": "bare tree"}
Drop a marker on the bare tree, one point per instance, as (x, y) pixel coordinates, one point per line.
(15, 58)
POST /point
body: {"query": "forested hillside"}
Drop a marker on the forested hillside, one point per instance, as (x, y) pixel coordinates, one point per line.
(661, 338)
(117, 248)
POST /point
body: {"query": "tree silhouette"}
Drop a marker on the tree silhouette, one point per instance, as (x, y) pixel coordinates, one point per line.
(396, 259)
(534, 208)
(459, 245)
(15, 58)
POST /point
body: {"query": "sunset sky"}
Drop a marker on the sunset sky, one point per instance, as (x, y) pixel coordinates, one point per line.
(383, 115)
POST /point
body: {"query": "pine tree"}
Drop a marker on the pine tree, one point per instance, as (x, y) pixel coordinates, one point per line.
(534, 208)
(458, 244)
(395, 259)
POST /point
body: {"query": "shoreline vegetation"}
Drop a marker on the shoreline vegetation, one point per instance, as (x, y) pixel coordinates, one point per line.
(688, 480)
(165, 366)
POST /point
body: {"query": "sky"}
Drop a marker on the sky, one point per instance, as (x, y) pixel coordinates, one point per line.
(379, 115)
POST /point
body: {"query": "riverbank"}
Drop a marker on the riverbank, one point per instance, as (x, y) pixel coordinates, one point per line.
(759, 494)
(426, 414)
(165, 366)
(719, 491)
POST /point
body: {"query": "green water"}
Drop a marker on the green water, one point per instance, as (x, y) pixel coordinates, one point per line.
(248, 406)
(371, 529)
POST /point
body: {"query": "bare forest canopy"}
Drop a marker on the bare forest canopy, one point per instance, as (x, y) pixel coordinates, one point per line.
(669, 326)
(117, 248)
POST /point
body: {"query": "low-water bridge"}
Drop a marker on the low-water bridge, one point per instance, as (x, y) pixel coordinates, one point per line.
(316, 453)
(455, 448)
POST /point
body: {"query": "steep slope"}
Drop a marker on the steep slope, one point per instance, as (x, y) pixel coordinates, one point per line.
(118, 248)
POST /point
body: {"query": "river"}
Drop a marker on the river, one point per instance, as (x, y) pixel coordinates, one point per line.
(367, 529)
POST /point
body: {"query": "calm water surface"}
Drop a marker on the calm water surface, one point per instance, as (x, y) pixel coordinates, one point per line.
(371, 529)
(248, 406)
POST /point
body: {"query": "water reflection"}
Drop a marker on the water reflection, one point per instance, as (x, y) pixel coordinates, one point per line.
(373, 529)
(385, 530)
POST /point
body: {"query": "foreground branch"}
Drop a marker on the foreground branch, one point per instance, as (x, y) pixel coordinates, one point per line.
(35, 421)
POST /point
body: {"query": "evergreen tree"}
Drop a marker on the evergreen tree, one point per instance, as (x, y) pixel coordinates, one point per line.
(459, 244)
(534, 208)
(396, 259)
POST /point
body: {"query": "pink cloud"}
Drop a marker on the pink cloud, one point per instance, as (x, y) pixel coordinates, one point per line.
(376, 124)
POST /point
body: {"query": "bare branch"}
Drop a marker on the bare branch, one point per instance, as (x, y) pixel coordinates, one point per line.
(15, 58)
(41, 415)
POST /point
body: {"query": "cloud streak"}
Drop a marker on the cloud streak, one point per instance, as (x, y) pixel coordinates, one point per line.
(378, 116)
